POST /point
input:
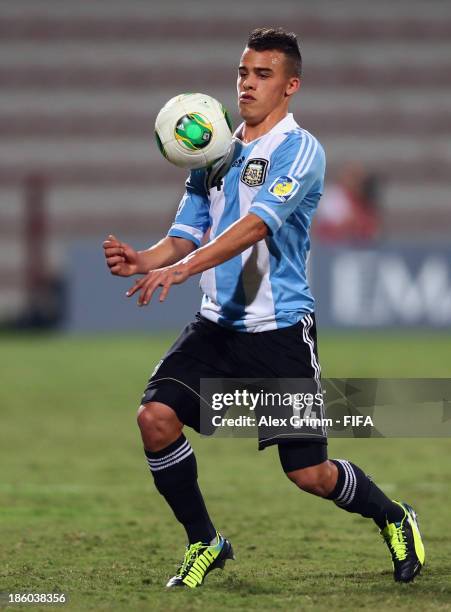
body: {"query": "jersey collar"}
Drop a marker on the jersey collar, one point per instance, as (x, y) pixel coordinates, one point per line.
(284, 125)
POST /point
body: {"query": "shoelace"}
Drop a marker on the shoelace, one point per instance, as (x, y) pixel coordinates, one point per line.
(191, 554)
(399, 544)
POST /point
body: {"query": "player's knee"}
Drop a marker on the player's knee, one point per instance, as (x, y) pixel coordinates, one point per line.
(158, 424)
(316, 479)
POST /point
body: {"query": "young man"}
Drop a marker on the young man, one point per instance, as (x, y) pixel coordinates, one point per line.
(257, 315)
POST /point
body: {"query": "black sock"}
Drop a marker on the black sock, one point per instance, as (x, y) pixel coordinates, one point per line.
(356, 492)
(174, 470)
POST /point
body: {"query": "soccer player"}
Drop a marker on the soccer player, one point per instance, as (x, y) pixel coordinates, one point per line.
(257, 315)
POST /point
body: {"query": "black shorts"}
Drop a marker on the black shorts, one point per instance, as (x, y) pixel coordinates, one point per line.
(208, 350)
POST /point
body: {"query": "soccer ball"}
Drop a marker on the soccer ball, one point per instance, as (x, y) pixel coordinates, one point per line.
(193, 130)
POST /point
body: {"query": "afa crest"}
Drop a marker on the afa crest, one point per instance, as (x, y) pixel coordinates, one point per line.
(284, 187)
(254, 172)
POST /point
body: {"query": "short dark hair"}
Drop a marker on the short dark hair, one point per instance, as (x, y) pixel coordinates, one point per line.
(277, 39)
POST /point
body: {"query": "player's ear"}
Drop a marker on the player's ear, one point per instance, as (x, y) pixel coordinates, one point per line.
(293, 85)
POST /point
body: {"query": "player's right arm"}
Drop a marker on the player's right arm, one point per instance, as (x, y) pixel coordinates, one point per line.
(124, 260)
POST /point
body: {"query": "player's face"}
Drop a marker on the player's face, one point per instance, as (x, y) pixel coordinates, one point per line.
(264, 84)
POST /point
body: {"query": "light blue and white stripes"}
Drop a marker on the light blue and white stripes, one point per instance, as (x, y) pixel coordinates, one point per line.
(265, 287)
(305, 157)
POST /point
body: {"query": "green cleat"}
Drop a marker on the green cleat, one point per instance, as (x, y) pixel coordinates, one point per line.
(405, 544)
(199, 560)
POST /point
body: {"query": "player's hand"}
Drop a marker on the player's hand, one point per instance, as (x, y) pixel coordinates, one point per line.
(121, 258)
(162, 277)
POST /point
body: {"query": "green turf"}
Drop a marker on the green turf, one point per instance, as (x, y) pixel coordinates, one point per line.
(78, 512)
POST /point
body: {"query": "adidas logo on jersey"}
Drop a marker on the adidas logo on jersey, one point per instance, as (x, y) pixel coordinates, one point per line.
(238, 162)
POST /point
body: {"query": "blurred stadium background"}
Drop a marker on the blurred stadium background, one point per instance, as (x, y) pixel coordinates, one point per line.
(81, 84)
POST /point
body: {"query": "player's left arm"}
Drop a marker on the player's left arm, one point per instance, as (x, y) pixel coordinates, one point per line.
(234, 240)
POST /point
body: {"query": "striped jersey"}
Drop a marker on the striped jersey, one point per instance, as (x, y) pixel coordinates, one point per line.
(279, 177)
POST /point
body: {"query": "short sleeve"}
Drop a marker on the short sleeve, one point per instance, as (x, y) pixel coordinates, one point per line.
(296, 175)
(192, 219)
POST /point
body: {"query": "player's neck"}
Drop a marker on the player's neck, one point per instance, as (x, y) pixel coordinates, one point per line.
(252, 132)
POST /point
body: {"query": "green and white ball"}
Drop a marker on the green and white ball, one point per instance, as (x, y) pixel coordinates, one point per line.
(193, 130)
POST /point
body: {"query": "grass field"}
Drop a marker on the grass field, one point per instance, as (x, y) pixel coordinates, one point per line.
(78, 512)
